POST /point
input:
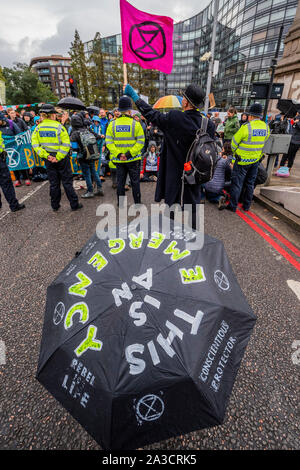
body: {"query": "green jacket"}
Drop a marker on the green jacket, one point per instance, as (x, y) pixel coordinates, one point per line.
(232, 125)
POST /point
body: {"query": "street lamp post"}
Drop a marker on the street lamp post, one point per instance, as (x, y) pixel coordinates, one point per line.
(273, 67)
(212, 57)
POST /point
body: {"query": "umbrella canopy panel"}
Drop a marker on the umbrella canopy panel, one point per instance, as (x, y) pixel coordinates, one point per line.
(143, 337)
(289, 107)
(168, 102)
(71, 103)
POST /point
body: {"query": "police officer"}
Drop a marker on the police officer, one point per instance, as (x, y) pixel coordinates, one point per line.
(247, 146)
(6, 182)
(125, 140)
(51, 141)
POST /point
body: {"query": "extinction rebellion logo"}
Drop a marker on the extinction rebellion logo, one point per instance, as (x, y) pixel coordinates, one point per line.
(147, 41)
(149, 408)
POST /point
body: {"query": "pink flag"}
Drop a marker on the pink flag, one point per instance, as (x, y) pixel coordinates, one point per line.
(147, 39)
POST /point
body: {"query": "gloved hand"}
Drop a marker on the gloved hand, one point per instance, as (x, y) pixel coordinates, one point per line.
(129, 91)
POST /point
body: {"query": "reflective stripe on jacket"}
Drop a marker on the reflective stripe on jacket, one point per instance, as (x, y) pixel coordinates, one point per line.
(249, 141)
(125, 135)
(51, 137)
(2, 146)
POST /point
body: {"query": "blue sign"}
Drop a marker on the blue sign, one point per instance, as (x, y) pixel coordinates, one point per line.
(21, 156)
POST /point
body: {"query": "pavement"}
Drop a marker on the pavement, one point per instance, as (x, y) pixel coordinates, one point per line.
(277, 209)
(36, 244)
(293, 179)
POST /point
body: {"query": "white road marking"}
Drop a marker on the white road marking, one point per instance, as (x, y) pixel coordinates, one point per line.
(295, 286)
(28, 195)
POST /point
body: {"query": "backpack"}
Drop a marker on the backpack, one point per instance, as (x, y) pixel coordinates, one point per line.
(262, 174)
(89, 143)
(202, 157)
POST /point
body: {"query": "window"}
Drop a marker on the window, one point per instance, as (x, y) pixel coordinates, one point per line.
(277, 15)
(247, 27)
(254, 64)
(270, 47)
(257, 50)
(262, 21)
(245, 40)
(249, 13)
(277, 2)
(264, 5)
(259, 36)
(290, 12)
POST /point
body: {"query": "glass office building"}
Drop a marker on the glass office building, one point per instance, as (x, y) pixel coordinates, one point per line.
(247, 35)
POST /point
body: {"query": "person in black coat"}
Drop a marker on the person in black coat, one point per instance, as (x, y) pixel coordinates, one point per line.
(289, 158)
(179, 129)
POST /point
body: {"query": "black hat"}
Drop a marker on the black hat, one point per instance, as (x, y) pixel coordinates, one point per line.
(195, 95)
(76, 121)
(124, 104)
(255, 110)
(48, 109)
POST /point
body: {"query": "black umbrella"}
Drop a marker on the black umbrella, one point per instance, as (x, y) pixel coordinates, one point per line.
(289, 107)
(93, 109)
(143, 338)
(71, 103)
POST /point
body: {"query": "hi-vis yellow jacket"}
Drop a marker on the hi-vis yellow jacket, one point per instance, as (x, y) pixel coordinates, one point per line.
(51, 138)
(125, 135)
(249, 141)
(2, 146)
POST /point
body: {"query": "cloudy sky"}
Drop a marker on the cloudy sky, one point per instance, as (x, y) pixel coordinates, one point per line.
(44, 27)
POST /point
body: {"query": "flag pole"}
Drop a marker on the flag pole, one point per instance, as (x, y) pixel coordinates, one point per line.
(124, 76)
(212, 58)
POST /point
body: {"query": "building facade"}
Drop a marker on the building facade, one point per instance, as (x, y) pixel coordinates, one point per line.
(53, 71)
(288, 68)
(247, 35)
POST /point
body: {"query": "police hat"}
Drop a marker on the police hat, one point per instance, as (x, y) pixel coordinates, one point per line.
(48, 109)
(195, 95)
(255, 110)
(124, 104)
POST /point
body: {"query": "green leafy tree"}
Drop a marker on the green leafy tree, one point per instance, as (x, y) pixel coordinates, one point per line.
(98, 74)
(1, 74)
(23, 86)
(79, 69)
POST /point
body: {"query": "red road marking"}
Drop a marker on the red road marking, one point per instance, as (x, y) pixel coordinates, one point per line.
(277, 235)
(268, 239)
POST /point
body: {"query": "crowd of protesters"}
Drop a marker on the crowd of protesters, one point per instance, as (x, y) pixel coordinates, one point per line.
(95, 170)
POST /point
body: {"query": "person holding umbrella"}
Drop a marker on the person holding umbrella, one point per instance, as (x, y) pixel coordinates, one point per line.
(179, 129)
(50, 140)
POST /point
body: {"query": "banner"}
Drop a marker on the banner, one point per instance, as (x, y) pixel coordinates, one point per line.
(20, 106)
(20, 154)
(147, 39)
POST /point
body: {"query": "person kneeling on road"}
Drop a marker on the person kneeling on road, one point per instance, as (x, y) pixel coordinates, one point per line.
(150, 164)
(50, 140)
(87, 155)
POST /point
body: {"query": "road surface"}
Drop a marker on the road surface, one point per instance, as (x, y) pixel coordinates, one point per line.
(37, 243)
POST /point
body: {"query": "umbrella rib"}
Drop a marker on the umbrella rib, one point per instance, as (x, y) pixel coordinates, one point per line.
(177, 355)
